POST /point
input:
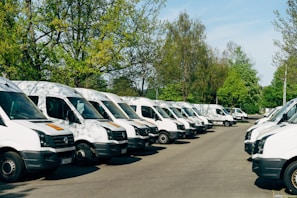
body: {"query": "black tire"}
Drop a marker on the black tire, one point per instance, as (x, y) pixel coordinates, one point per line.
(83, 154)
(290, 178)
(227, 123)
(164, 138)
(12, 167)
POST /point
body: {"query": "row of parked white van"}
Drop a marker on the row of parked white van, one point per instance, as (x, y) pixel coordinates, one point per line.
(57, 124)
(271, 142)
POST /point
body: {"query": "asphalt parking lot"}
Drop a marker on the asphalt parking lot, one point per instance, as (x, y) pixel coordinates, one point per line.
(213, 164)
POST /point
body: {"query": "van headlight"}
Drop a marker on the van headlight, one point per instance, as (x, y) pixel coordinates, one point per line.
(109, 134)
(259, 145)
(248, 134)
(136, 130)
(45, 140)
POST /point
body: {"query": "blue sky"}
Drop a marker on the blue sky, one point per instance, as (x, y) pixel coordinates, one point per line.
(248, 23)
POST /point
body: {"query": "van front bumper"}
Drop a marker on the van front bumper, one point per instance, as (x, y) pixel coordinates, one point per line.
(138, 143)
(248, 147)
(268, 167)
(153, 138)
(190, 133)
(111, 149)
(46, 160)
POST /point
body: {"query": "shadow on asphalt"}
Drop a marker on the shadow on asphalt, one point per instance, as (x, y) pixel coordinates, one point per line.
(269, 184)
(8, 186)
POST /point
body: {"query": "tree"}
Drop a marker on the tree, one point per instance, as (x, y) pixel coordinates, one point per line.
(285, 58)
(181, 54)
(234, 91)
(242, 65)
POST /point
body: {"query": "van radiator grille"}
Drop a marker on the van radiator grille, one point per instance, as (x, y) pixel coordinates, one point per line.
(119, 135)
(62, 141)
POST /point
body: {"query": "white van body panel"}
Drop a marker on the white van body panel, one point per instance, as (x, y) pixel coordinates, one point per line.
(123, 106)
(164, 124)
(92, 131)
(216, 114)
(26, 132)
(135, 141)
(189, 124)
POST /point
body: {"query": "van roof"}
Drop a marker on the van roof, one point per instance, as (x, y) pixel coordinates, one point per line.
(138, 100)
(92, 94)
(47, 88)
(7, 85)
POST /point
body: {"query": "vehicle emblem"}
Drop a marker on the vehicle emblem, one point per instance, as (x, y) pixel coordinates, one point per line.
(65, 140)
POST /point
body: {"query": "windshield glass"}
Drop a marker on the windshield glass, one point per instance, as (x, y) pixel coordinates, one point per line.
(19, 106)
(129, 111)
(86, 110)
(162, 112)
(197, 111)
(116, 112)
(176, 112)
(279, 114)
(189, 111)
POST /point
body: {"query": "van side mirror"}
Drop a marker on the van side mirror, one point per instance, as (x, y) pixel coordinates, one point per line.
(285, 117)
(71, 117)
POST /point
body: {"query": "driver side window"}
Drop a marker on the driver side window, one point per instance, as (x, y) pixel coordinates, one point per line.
(57, 108)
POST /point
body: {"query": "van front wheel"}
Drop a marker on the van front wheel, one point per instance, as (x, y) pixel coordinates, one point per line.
(290, 178)
(83, 154)
(11, 166)
(164, 138)
(227, 123)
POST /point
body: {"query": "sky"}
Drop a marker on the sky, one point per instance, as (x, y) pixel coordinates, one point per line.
(248, 23)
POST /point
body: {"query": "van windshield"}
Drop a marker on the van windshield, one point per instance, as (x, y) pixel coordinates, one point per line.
(189, 112)
(18, 106)
(277, 116)
(176, 112)
(86, 110)
(162, 112)
(116, 112)
(129, 111)
(197, 111)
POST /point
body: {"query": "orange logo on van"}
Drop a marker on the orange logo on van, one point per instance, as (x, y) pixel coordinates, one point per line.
(114, 124)
(55, 127)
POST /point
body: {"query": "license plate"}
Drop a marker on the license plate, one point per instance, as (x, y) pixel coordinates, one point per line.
(66, 161)
(123, 151)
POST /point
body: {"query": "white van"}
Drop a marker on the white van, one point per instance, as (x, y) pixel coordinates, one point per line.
(95, 138)
(208, 123)
(174, 113)
(169, 129)
(275, 155)
(268, 115)
(138, 134)
(128, 111)
(187, 111)
(285, 113)
(216, 114)
(28, 140)
(238, 114)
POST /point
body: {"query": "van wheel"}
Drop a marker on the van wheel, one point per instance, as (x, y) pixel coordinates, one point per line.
(227, 123)
(164, 138)
(11, 166)
(290, 178)
(83, 154)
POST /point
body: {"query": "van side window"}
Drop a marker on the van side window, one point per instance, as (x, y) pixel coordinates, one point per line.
(147, 112)
(57, 108)
(220, 112)
(100, 109)
(34, 99)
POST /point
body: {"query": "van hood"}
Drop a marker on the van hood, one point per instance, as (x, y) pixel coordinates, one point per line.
(106, 124)
(46, 126)
(282, 127)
